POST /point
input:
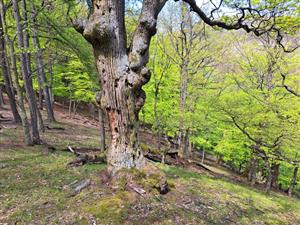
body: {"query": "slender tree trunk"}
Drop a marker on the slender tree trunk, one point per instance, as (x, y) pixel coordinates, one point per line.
(268, 167)
(75, 105)
(25, 70)
(51, 83)
(41, 98)
(6, 73)
(203, 156)
(20, 99)
(157, 125)
(15, 81)
(293, 180)
(2, 103)
(70, 107)
(275, 174)
(252, 170)
(182, 105)
(184, 147)
(102, 129)
(41, 126)
(44, 89)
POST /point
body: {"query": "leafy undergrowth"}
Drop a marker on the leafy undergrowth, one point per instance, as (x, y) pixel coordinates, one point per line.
(36, 187)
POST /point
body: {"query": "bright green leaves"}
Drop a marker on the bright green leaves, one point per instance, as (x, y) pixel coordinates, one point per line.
(72, 81)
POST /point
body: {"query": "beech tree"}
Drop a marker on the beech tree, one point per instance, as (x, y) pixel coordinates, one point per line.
(122, 70)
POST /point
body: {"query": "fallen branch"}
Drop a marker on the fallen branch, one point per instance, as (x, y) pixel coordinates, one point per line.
(80, 186)
(137, 189)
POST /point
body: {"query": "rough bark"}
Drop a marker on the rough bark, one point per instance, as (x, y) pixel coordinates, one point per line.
(122, 74)
(293, 180)
(40, 69)
(6, 72)
(25, 70)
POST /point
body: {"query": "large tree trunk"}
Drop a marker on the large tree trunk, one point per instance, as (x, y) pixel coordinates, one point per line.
(122, 75)
(293, 180)
(25, 70)
(6, 72)
(40, 69)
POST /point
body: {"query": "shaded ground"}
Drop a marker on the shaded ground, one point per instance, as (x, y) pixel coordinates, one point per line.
(36, 188)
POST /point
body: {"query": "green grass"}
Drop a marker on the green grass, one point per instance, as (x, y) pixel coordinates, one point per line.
(35, 189)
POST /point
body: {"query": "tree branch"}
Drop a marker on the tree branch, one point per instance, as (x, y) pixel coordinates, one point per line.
(139, 48)
(267, 19)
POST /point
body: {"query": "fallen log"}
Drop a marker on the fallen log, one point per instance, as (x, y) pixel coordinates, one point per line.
(202, 166)
(55, 128)
(137, 189)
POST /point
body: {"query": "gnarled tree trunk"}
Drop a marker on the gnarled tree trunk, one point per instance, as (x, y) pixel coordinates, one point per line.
(122, 73)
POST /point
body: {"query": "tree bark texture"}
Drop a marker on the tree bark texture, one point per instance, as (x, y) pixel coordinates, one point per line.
(122, 73)
(20, 98)
(252, 170)
(2, 103)
(25, 70)
(102, 129)
(6, 72)
(40, 69)
(293, 180)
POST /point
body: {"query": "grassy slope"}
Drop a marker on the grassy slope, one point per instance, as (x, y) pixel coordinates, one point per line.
(35, 188)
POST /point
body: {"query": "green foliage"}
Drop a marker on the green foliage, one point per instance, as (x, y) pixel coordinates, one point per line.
(72, 81)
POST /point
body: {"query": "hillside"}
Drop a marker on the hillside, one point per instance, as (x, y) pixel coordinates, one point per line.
(37, 187)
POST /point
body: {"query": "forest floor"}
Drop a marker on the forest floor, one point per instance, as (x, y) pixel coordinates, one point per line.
(36, 187)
